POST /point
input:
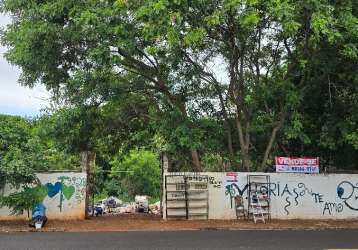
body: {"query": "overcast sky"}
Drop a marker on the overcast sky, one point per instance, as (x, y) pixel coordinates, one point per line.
(14, 98)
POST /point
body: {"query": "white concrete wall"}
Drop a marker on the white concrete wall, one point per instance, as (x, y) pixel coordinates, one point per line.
(63, 196)
(293, 196)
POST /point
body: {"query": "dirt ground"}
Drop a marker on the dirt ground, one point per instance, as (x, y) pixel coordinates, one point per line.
(146, 222)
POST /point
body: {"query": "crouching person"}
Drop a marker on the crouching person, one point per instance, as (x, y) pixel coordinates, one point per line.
(38, 218)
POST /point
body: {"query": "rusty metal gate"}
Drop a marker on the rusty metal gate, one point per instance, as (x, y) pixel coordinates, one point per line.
(186, 196)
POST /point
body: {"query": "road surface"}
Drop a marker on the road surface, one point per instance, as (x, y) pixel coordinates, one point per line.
(327, 239)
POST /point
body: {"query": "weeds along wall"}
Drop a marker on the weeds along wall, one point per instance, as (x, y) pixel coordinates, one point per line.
(293, 196)
(63, 195)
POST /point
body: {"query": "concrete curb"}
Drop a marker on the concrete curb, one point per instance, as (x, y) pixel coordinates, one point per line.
(50, 230)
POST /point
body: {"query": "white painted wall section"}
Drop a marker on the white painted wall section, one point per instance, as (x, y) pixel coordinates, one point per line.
(293, 196)
(63, 195)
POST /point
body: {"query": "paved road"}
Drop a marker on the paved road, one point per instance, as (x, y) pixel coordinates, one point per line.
(329, 239)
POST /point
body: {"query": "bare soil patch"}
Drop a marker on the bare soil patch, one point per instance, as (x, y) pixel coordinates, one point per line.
(148, 222)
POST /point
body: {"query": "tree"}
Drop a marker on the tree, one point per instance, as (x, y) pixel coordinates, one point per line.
(243, 64)
(14, 170)
(327, 120)
(24, 150)
(63, 51)
(138, 173)
(29, 143)
(266, 47)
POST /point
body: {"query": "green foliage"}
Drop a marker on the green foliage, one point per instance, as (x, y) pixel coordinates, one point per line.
(29, 145)
(25, 148)
(15, 170)
(14, 131)
(14, 137)
(216, 163)
(353, 139)
(138, 172)
(22, 201)
(209, 79)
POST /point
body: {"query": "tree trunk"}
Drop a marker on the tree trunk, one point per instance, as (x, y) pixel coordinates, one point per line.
(244, 146)
(88, 159)
(229, 139)
(242, 113)
(196, 160)
(269, 145)
(226, 119)
(194, 152)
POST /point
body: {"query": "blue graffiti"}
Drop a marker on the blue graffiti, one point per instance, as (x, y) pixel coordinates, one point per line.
(348, 192)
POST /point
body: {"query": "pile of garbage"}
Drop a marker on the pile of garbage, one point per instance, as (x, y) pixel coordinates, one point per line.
(112, 205)
(106, 206)
(142, 204)
(155, 208)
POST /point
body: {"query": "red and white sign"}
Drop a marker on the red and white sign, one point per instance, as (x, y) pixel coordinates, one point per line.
(297, 165)
(231, 177)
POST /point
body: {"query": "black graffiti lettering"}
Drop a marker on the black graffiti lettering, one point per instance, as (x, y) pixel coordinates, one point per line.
(272, 189)
(286, 190)
(241, 192)
(326, 208)
(318, 198)
(211, 180)
(331, 207)
(302, 185)
(296, 196)
(347, 191)
(215, 183)
(278, 189)
(288, 203)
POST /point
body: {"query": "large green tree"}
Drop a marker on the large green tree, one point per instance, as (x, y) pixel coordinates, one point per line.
(328, 120)
(241, 65)
(26, 148)
(14, 137)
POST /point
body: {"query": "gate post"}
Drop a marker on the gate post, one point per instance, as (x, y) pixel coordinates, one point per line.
(164, 164)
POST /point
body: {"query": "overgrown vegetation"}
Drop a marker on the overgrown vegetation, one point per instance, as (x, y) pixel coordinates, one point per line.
(219, 85)
(138, 172)
(26, 148)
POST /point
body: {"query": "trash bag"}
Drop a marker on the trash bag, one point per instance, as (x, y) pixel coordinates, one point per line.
(98, 210)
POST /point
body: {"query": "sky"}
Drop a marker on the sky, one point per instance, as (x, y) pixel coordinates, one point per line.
(14, 98)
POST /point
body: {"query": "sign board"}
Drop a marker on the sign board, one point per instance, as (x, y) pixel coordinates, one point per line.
(297, 165)
(230, 178)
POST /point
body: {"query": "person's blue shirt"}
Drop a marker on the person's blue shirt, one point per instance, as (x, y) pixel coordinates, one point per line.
(39, 210)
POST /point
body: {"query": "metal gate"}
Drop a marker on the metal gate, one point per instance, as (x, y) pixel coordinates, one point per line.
(186, 196)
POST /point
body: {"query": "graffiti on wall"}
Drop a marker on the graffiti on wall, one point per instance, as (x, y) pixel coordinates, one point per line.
(232, 187)
(332, 207)
(293, 195)
(329, 196)
(348, 193)
(214, 182)
(65, 188)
